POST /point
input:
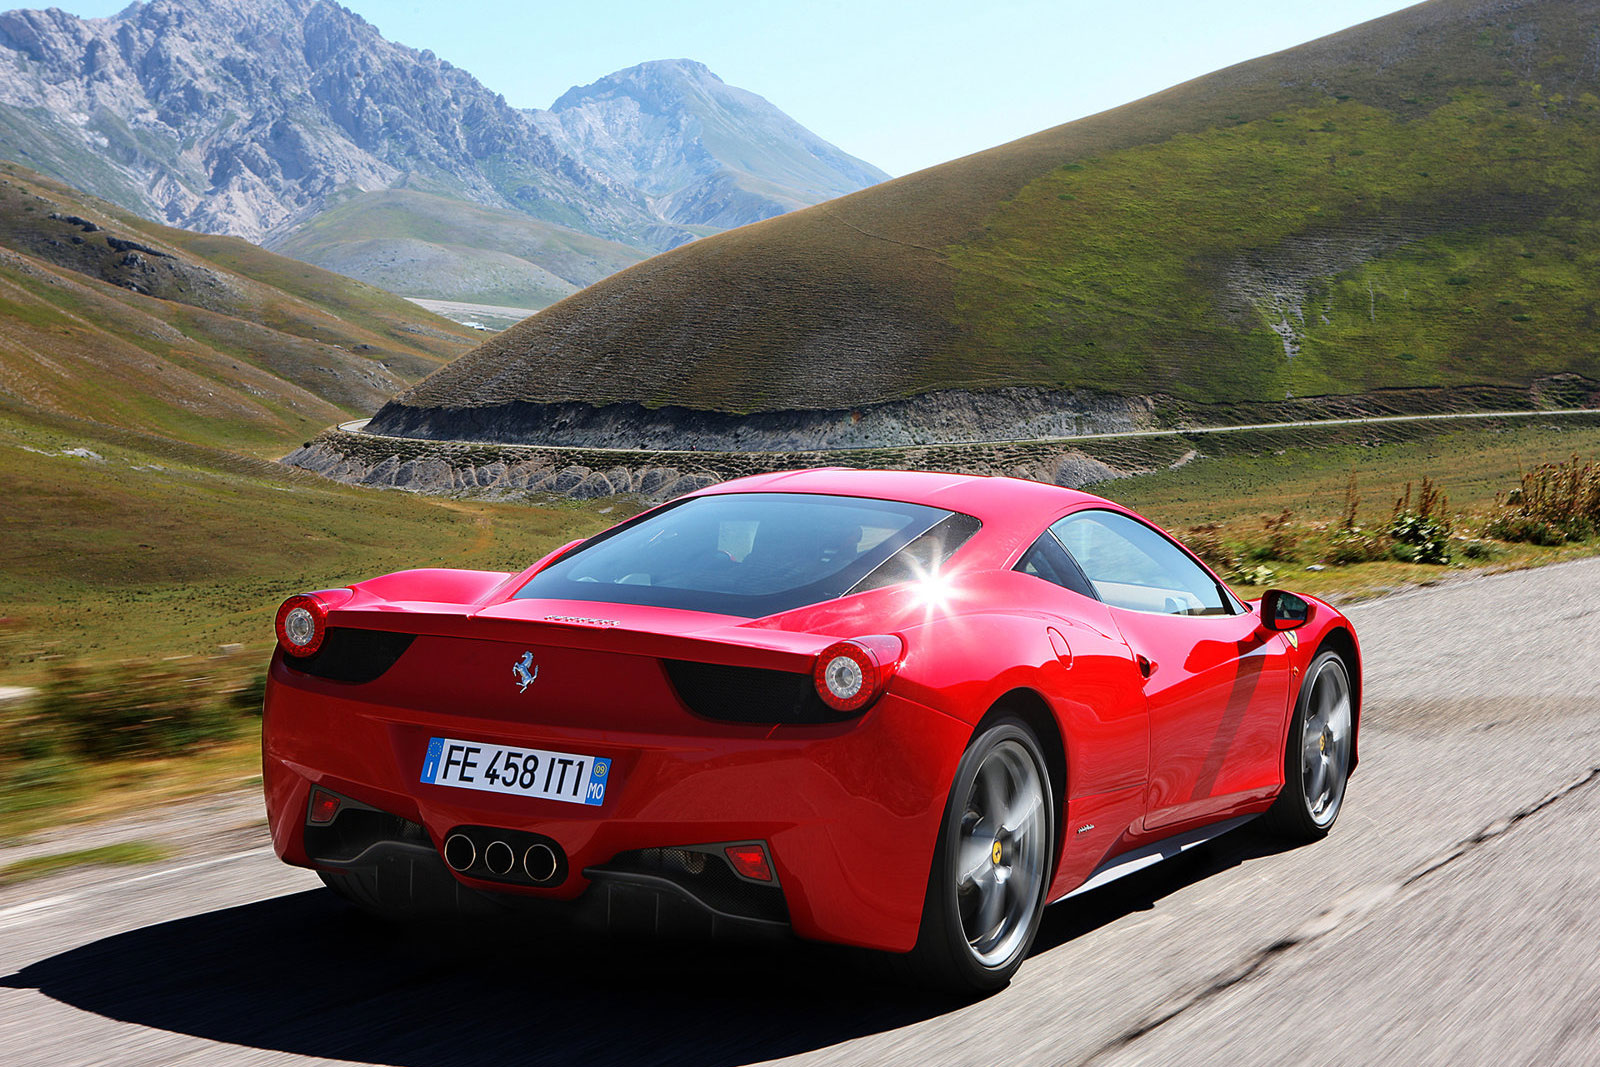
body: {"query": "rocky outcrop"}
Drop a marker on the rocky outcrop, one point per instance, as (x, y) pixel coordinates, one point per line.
(944, 417)
(459, 468)
(515, 471)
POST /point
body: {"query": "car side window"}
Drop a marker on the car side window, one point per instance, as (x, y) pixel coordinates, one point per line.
(1048, 560)
(1132, 566)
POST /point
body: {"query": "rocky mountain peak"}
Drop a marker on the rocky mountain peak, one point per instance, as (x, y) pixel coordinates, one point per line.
(258, 117)
(648, 82)
(707, 153)
(248, 116)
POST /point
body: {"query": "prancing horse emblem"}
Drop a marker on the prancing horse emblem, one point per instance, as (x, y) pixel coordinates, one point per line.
(521, 674)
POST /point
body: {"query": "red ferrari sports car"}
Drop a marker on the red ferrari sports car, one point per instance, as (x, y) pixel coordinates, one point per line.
(896, 710)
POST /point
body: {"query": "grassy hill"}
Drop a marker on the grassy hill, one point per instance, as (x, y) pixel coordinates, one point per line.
(149, 378)
(109, 317)
(422, 244)
(1411, 202)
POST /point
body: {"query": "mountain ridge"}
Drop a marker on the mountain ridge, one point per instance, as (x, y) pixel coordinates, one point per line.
(259, 117)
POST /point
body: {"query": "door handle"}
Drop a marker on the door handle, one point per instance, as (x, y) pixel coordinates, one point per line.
(1147, 666)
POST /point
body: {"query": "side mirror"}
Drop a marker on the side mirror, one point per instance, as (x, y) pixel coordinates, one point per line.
(1282, 610)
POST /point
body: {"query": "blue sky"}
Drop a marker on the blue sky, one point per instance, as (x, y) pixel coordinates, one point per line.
(903, 85)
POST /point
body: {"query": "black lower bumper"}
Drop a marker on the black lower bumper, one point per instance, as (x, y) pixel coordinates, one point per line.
(390, 867)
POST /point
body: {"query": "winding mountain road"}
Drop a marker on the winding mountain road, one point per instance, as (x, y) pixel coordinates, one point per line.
(1448, 919)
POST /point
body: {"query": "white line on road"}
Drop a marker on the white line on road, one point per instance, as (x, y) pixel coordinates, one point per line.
(18, 914)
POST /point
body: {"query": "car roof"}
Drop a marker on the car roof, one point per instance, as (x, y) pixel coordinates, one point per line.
(978, 495)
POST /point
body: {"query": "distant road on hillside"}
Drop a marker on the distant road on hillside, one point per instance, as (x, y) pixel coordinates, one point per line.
(359, 426)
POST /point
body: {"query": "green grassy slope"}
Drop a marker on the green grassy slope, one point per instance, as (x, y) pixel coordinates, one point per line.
(1410, 202)
(207, 339)
(151, 546)
(421, 244)
(144, 514)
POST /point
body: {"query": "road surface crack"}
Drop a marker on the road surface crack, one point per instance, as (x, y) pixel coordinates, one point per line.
(1351, 907)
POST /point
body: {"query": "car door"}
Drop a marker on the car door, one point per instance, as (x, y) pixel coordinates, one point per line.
(1217, 682)
(1099, 694)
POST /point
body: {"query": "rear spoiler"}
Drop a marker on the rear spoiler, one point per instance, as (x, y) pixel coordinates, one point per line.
(564, 624)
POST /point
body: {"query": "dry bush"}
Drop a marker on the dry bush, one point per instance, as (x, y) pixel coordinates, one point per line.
(1205, 541)
(1352, 502)
(1552, 504)
(138, 709)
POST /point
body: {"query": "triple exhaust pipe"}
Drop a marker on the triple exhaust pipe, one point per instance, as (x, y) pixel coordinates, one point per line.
(539, 860)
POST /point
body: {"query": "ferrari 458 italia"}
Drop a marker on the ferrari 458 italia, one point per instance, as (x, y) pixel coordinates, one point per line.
(904, 711)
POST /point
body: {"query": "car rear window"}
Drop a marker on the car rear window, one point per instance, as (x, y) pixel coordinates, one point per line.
(755, 554)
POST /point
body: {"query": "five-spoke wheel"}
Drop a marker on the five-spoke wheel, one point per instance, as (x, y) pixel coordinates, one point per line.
(1317, 757)
(992, 866)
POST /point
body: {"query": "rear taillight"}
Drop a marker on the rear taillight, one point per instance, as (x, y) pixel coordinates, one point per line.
(302, 624)
(850, 675)
(749, 862)
(324, 807)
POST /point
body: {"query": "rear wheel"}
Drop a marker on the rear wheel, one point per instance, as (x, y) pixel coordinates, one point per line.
(991, 867)
(1316, 760)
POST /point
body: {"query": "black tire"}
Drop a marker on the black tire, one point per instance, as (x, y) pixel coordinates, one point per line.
(945, 957)
(1296, 815)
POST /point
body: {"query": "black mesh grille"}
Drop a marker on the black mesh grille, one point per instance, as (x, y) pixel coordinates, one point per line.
(708, 877)
(354, 830)
(749, 694)
(349, 655)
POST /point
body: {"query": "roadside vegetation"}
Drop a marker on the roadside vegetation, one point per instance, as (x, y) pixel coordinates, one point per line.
(120, 854)
(1360, 520)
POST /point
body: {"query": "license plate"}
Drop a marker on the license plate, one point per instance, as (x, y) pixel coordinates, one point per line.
(525, 772)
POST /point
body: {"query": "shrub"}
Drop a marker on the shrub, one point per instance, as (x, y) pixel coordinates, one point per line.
(1355, 545)
(1523, 530)
(135, 709)
(132, 709)
(1281, 541)
(1206, 542)
(1553, 503)
(1421, 533)
(1257, 575)
(1352, 501)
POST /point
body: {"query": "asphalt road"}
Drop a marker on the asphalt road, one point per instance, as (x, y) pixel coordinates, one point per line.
(1449, 919)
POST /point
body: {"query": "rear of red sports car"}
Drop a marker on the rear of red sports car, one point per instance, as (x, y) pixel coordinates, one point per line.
(643, 727)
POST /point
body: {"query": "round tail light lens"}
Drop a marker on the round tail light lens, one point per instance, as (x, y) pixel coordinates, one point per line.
(850, 675)
(302, 624)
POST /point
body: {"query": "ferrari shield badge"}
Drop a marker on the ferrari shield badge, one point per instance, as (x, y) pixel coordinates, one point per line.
(1293, 638)
(523, 672)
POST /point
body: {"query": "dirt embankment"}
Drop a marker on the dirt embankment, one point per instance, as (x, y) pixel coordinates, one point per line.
(953, 416)
(583, 473)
